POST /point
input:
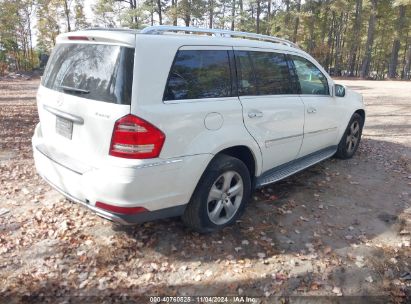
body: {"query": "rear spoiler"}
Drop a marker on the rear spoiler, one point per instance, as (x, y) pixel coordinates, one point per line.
(123, 38)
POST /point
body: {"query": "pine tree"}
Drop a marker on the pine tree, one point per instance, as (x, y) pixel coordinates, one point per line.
(80, 21)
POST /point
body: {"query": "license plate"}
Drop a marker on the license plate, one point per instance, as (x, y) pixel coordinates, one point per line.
(64, 127)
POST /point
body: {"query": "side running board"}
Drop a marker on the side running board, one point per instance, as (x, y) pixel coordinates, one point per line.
(283, 171)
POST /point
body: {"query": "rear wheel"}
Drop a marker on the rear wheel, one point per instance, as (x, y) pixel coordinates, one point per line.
(351, 138)
(220, 196)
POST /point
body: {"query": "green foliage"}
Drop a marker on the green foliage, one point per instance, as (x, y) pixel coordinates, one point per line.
(333, 31)
(106, 13)
(16, 20)
(79, 17)
(48, 25)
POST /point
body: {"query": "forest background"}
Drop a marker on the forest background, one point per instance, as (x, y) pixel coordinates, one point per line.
(353, 38)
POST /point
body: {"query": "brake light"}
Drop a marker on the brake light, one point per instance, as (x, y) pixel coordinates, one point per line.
(136, 138)
(78, 38)
(120, 210)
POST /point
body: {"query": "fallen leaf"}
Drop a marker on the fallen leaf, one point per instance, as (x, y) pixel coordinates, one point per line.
(337, 291)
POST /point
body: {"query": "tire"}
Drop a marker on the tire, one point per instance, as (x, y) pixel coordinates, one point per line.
(212, 206)
(351, 139)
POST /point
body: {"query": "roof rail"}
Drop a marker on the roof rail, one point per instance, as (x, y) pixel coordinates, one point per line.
(159, 29)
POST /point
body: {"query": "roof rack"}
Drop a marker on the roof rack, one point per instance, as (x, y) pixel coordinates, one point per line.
(159, 29)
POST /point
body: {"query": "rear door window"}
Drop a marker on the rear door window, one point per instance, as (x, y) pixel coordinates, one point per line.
(92, 71)
(245, 73)
(263, 73)
(199, 74)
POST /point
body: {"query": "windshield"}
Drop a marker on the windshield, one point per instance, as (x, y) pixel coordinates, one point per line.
(92, 71)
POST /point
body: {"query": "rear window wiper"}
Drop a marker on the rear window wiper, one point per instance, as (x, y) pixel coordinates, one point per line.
(71, 89)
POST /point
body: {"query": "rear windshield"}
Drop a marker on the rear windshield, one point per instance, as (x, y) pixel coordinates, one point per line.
(92, 71)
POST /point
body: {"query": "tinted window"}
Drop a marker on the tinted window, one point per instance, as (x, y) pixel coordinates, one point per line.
(246, 77)
(263, 73)
(92, 71)
(199, 74)
(271, 72)
(312, 81)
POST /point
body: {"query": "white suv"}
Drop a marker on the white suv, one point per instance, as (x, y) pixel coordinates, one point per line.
(176, 121)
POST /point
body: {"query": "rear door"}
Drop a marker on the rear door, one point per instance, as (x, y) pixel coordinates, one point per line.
(86, 87)
(322, 111)
(272, 110)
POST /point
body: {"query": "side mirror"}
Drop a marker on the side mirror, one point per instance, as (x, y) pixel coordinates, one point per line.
(339, 90)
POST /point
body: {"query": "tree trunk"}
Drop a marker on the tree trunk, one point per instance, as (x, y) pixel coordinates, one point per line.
(297, 21)
(174, 6)
(187, 13)
(133, 5)
(311, 25)
(357, 65)
(404, 56)
(380, 56)
(344, 33)
(324, 22)
(407, 67)
(233, 15)
(67, 14)
(356, 38)
(365, 69)
(334, 33)
(211, 13)
(223, 15)
(30, 38)
(338, 39)
(152, 12)
(269, 17)
(160, 14)
(258, 16)
(329, 44)
(392, 68)
(241, 14)
(287, 13)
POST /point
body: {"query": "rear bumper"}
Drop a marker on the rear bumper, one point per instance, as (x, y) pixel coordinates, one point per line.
(163, 187)
(122, 218)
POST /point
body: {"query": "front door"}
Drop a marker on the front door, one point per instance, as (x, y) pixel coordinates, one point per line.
(321, 109)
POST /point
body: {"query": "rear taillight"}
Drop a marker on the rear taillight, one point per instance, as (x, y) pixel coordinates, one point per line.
(134, 137)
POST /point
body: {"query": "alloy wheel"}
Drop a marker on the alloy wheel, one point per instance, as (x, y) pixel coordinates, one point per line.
(224, 198)
(353, 136)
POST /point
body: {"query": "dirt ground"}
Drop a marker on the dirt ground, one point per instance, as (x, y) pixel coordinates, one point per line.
(338, 228)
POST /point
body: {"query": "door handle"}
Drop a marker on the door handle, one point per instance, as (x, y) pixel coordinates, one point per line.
(311, 110)
(255, 114)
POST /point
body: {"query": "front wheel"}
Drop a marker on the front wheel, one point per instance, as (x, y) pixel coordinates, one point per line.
(220, 196)
(351, 139)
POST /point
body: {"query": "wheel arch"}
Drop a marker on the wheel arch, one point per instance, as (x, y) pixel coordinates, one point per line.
(344, 123)
(245, 154)
(361, 112)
